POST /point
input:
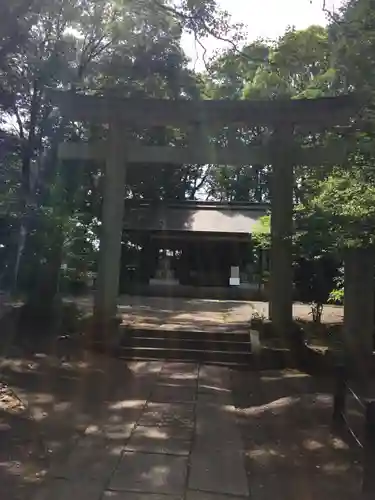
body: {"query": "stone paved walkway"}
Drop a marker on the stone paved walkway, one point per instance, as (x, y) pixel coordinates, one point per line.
(171, 435)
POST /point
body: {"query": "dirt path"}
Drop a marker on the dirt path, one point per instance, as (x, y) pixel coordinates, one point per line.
(172, 313)
(291, 454)
(45, 407)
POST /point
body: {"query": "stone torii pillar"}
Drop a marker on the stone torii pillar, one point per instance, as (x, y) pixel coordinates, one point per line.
(281, 276)
(105, 306)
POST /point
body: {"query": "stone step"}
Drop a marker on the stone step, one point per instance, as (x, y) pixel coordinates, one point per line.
(222, 336)
(198, 344)
(222, 356)
(236, 365)
(266, 359)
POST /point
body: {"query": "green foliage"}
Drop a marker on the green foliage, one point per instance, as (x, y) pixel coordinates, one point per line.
(340, 214)
(314, 278)
(337, 294)
(297, 66)
(261, 233)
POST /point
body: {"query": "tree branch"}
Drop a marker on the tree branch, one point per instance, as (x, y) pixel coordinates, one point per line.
(201, 183)
(19, 122)
(28, 150)
(204, 51)
(89, 53)
(334, 18)
(207, 29)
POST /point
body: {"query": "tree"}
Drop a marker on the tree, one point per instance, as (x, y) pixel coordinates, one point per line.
(16, 18)
(103, 46)
(52, 56)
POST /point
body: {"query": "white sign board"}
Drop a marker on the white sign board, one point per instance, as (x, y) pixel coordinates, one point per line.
(234, 279)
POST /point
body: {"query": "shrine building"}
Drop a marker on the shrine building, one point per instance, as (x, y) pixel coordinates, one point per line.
(191, 248)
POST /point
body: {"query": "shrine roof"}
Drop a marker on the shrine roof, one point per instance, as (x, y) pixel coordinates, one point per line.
(228, 218)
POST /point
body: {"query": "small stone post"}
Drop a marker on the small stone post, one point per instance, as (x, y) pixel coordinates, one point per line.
(368, 484)
(339, 398)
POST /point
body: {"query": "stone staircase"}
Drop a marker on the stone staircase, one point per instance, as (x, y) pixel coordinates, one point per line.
(216, 347)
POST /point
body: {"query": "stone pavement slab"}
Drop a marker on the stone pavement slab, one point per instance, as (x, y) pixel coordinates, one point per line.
(146, 472)
(210, 415)
(174, 367)
(178, 380)
(64, 489)
(89, 459)
(167, 440)
(219, 439)
(126, 495)
(128, 407)
(164, 393)
(222, 398)
(168, 414)
(203, 495)
(179, 374)
(205, 387)
(216, 429)
(214, 376)
(218, 472)
(118, 433)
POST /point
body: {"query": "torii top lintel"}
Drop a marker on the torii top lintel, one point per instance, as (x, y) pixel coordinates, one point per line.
(326, 111)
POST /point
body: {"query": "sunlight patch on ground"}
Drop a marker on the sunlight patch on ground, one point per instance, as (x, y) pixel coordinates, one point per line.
(278, 405)
(312, 445)
(338, 444)
(127, 403)
(335, 468)
(92, 430)
(41, 398)
(38, 413)
(264, 455)
(18, 365)
(120, 431)
(29, 474)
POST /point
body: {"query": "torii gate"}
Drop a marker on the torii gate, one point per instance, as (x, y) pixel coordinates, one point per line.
(282, 117)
